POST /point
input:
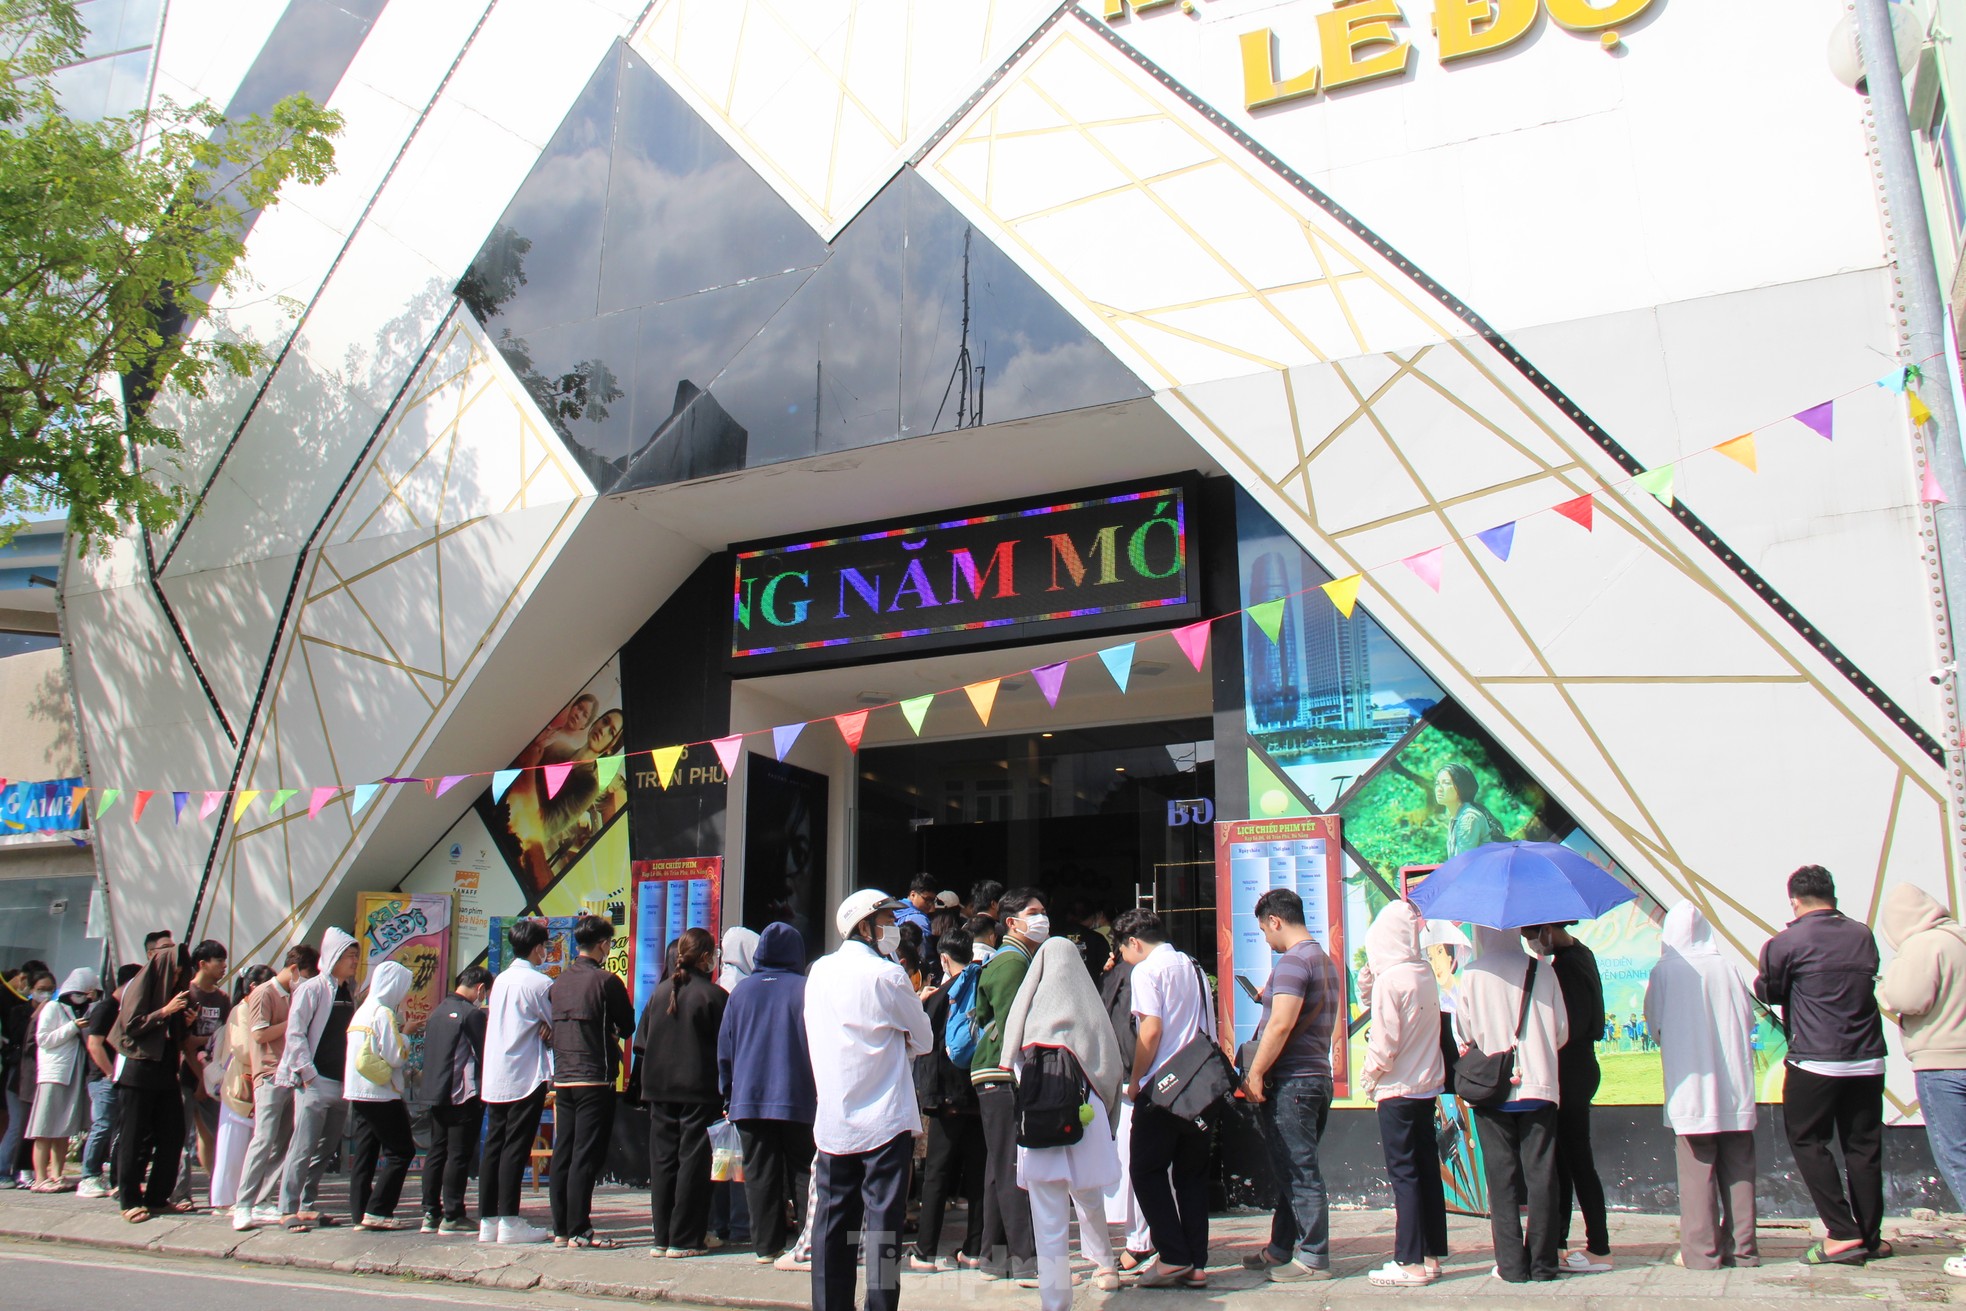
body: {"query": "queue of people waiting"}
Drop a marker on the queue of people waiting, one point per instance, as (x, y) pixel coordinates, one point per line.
(1053, 1076)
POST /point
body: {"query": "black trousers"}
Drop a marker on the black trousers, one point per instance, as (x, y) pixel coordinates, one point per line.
(1518, 1160)
(1576, 1168)
(1170, 1181)
(151, 1138)
(1406, 1132)
(509, 1130)
(1009, 1246)
(583, 1120)
(383, 1148)
(1816, 1108)
(864, 1194)
(957, 1160)
(679, 1172)
(777, 1172)
(453, 1148)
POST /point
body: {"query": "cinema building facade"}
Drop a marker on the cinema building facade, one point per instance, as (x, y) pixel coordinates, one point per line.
(722, 453)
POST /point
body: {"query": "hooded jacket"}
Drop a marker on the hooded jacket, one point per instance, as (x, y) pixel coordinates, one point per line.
(58, 1030)
(1402, 1048)
(376, 1024)
(740, 952)
(1489, 999)
(307, 1015)
(1925, 983)
(763, 1067)
(142, 1032)
(1699, 1011)
(1822, 971)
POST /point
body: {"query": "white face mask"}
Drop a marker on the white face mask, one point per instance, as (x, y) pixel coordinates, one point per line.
(1036, 927)
(890, 940)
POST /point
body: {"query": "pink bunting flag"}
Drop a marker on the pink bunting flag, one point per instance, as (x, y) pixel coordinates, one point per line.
(852, 725)
(1050, 679)
(1821, 418)
(321, 797)
(1193, 641)
(211, 802)
(1426, 566)
(1929, 491)
(556, 777)
(727, 749)
(450, 781)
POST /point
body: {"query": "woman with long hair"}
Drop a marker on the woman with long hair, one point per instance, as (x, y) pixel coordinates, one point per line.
(1468, 825)
(677, 1039)
(228, 1079)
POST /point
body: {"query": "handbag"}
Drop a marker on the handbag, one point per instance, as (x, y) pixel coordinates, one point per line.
(1487, 1079)
(368, 1061)
(1197, 1076)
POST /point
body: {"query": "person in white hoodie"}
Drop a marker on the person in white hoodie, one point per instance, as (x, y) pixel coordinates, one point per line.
(1518, 1137)
(311, 1064)
(1924, 988)
(1403, 1075)
(372, 1083)
(61, 1099)
(1699, 1010)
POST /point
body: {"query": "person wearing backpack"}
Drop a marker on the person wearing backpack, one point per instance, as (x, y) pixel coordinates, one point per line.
(956, 1149)
(1493, 1016)
(372, 1083)
(1069, 1070)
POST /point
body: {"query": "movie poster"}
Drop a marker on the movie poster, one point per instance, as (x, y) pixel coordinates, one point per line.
(785, 850)
(414, 930)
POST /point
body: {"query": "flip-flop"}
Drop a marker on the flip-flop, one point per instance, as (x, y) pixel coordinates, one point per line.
(1131, 1260)
(1819, 1254)
(1883, 1250)
(136, 1215)
(592, 1239)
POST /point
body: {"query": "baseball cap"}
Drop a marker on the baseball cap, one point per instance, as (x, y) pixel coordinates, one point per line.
(859, 905)
(948, 899)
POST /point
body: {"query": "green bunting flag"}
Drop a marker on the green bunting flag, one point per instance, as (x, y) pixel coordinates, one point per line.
(1269, 617)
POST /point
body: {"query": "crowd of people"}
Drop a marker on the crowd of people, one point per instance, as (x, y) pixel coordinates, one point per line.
(1054, 1077)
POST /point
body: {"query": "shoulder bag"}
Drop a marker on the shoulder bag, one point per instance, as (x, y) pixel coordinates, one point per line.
(1488, 1079)
(1198, 1076)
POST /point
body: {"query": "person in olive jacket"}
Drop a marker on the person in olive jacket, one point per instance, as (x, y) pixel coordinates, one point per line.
(678, 1042)
(765, 1072)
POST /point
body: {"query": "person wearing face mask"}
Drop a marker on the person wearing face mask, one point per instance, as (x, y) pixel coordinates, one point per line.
(1576, 1079)
(1010, 1249)
(864, 1027)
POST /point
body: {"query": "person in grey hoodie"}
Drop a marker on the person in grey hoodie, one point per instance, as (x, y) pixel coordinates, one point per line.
(311, 1064)
(1924, 987)
(1404, 1073)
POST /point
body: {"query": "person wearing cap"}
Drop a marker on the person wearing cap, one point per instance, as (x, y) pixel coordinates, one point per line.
(947, 900)
(864, 1027)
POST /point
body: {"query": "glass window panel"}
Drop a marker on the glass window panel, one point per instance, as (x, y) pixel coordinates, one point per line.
(308, 50)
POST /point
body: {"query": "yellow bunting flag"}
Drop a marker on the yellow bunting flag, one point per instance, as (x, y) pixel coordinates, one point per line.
(666, 759)
(1921, 413)
(1741, 451)
(1344, 592)
(983, 695)
(244, 799)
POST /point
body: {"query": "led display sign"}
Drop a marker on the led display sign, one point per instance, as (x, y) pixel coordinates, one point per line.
(1082, 561)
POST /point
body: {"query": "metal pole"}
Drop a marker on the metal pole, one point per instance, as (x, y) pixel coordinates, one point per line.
(1922, 311)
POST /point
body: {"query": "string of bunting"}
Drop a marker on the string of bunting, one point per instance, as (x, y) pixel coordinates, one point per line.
(1118, 661)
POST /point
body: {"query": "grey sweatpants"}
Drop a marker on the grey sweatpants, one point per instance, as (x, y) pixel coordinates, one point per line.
(319, 1114)
(1716, 1200)
(273, 1130)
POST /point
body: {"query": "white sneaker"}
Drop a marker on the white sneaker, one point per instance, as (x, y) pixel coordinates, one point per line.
(488, 1230)
(1582, 1263)
(242, 1219)
(92, 1186)
(513, 1229)
(266, 1215)
(1956, 1266)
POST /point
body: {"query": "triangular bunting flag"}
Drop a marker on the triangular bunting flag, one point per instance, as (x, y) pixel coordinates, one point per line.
(608, 768)
(556, 777)
(1426, 566)
(178, 800)
(501, 781)
(1893, 381)
(983, 695)
(1929, 491)
(1913, 374)
(212, 801)
(143, 799)
(1193, 641)
(241, 801)
(727, 749)
(1119, 663)
(1343, 592)
(449, 781)
(784, 736)
(1268, 617)
(75, 799)
(364, 793)
(281, 798)
(1658, 482)
(1822, 418)
(1921, 413)
(666, 760)
(1050, 679)
(106, 799)
(1740, 450)
(1577, 511)
(915, 710)
(852, 724)
(1499, 540)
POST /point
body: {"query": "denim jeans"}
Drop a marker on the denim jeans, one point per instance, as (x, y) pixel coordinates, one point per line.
(1294, 1112)
(102, 1127)
(10, 1141)
(1942, 1096)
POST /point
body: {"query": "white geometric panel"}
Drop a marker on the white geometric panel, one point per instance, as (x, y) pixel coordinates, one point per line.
(827, 98)
(1631, 670)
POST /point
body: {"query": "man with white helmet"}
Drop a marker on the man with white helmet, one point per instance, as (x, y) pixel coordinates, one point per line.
(864, 1027)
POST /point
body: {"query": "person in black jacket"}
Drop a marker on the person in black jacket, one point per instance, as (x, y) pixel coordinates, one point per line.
(1822, 971)
(1577, 1078)
(678, 1041)
(592, 1017)
(453, 1072)
(956, 1148)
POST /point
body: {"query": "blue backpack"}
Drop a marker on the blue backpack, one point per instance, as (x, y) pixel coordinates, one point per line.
(959, 1034)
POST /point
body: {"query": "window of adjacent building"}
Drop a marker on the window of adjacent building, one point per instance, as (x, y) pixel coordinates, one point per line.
(1945, 162)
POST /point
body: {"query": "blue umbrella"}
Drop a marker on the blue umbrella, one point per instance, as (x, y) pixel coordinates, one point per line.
(1505, 885)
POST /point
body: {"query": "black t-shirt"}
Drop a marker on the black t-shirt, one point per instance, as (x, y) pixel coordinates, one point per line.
(101, 1018)
(331, 1053)
(205, 1017)
(1583, 1003)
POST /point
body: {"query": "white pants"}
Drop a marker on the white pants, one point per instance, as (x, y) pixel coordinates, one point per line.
(1122, 1207)
(1051, 1215)
(235, 1131)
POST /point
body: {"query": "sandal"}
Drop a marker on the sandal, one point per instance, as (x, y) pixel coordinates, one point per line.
(136, 1215)
(1883, 1250)
(183, 1208)
(1819, 1254)
(1105, 1280)
(296, 1226)
(1166, 1276)
(592, 1239)
(1131, 1260)
(1394, 1275)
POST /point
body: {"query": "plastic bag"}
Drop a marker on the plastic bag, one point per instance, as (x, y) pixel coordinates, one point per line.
(726, 1153)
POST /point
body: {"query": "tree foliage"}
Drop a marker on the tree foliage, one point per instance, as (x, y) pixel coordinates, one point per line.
(113, 235)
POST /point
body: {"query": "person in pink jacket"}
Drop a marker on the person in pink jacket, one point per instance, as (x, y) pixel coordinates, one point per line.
(1403, 1074)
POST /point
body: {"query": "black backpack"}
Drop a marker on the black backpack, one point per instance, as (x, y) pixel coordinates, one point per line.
(1050, 1093)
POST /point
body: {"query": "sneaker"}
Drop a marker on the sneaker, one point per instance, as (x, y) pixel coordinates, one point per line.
(488, 1230)
(92, 1186)
(712, 1241)
(1583, 1263)
(790, 1261)
(1394, 1275)
(951, 1264)
(1295, 1271)
(454, 1227)
(429, 1224)
(513, 1229)
(266, 1215)
(378, 1222)
(242, 1219)
(1956, 1266)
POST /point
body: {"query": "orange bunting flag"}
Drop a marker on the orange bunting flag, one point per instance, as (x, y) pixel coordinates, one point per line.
(1740, 450)
(1344, 592)
(853, 724)
(75, 799)
(1577, 511)
(983, 696)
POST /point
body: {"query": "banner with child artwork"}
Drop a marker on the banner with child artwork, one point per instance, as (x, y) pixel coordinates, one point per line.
(414, 930)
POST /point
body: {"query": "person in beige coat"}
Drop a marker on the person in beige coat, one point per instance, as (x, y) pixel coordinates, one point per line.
(1924, 987)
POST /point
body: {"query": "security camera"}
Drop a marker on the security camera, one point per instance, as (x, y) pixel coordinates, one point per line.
(1943, 672)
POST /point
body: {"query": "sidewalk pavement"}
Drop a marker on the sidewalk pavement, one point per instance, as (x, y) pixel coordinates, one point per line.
(1643, 1248)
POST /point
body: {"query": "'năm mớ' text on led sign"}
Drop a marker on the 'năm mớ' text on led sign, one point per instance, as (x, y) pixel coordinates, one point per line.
(1074, 559)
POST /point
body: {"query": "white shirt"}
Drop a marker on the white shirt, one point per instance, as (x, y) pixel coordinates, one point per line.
(864, 1026)
(1166, 987)
(517, 1058)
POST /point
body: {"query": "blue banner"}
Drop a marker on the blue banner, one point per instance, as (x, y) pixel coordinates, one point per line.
(41, 807)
